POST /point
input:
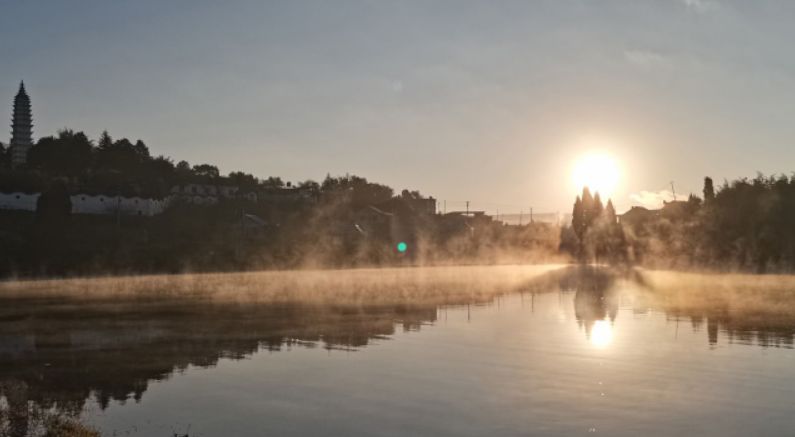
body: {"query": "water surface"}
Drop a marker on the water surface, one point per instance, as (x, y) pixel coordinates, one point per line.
(466, 351)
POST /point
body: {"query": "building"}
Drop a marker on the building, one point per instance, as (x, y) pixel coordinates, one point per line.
(637, 216)
(209, 194)
(19, 201)
(21, 128)
(116, 205)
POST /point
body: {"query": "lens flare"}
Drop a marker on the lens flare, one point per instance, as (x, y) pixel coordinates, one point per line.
(402, 247)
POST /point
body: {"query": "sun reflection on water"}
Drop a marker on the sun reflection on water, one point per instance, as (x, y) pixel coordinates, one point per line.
(602, 334)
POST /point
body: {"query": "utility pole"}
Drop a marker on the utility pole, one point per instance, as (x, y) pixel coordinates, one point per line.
(673, 190)
(467, 207)
(531, 214)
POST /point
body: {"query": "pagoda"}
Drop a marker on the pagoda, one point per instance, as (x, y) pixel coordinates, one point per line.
(21, 128)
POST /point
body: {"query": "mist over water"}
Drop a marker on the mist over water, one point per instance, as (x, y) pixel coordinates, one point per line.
(498, 350)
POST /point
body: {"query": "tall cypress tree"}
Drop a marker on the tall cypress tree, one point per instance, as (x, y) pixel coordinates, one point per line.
(597, 208)
(578, 219)
(587, 206)
(105, 141)
(709, 190)
(610, 212)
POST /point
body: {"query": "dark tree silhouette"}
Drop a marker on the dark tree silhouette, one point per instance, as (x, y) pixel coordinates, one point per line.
(578, 220)
(599, 235)
(105, 141)
(5, 159)
(54, 205)
(206, 171)
(243, 180)
(709, 190)
(610, 212)
(273, 182)
(597, 207)
(587, 206)
(68, 154)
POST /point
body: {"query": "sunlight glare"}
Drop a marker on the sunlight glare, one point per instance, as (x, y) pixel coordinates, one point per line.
(601, 334)
(597, 171)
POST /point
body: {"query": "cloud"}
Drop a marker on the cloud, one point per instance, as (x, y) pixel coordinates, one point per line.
(700, 6)
(651, 199)
(647, 59)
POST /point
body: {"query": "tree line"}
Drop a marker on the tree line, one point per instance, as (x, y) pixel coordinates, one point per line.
(113, 167)
(344, 221)
(745, 224)
(595, 235)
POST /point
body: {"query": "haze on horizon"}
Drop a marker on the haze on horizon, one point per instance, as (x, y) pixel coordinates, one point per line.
(462, 100)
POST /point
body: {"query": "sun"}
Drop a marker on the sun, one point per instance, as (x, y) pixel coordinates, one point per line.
(597, 171)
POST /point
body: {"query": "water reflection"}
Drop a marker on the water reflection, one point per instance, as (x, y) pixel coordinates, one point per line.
(60, 356)
(735, 309)
(595, 301)
(601, 334)
(59, 352)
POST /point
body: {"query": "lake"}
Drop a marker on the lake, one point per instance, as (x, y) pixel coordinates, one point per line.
(445, 351)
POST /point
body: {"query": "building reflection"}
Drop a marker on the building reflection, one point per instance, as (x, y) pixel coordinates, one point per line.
(58, 357)
(61, 353)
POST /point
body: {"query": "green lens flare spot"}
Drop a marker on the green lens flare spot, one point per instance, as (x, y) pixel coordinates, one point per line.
(402, 246)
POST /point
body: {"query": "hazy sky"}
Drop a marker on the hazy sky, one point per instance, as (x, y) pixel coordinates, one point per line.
(486, 101)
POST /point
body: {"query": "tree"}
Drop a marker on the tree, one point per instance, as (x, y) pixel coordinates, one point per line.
(105, 141)
(141, 149)
(309, 185)
(206, 171)
(598, 208)
(5, 160)
(587, 206)
(272, 183)
(610, 212)
(709, 190)
(578, 222)
(68, 154)
(597, 229)
(243, 180)
(54, 205)
(613, 240)
(406, 194)
(183, 168)
(121, 156)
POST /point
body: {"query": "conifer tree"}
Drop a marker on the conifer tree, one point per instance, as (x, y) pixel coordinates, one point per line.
(597, 208)
(578, 219)
(105, 141)
(709, 190)
(587, 206)
(610, 212)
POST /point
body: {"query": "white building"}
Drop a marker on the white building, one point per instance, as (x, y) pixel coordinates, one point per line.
(208, 194)
(89, 204)
(111, 205)
(19, 201)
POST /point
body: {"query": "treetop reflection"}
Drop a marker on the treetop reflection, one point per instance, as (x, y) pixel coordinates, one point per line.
(58, 350)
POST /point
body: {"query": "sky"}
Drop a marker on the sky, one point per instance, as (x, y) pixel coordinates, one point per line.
(491, 102)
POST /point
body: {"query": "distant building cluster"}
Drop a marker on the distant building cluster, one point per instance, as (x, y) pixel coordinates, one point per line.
(109, 204)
